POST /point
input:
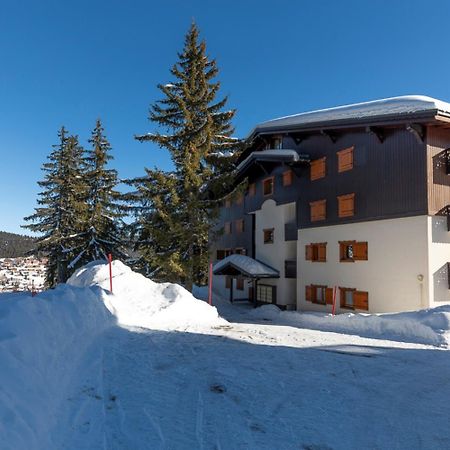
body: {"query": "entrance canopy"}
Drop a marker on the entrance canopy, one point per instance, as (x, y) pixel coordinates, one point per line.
(245, 266)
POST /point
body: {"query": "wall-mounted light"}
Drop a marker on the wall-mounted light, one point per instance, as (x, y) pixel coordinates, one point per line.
(420, 277)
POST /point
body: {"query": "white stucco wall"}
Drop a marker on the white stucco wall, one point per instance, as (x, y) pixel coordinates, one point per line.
(438, 256)
(397, 257)
(272, 216)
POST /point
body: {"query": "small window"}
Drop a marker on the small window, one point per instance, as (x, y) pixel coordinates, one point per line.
(318, 210)
(268, 186)
(268, 235)
(240, 251)
(318, 168)
(321, 295)
(220, 254)
(350, 251)
(346, 205)
(266, 293)
(240, 225)
(227, 228)
(345, 159)
(290, 269)
(228, 252)
(251, 189)
(240, 284)
(288, 178)
(228, 202)
(353, 299)
(316, 252)
(275, 143)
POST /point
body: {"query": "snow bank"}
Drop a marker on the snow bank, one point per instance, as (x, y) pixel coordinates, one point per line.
(41, 341)
(140, 302)
(428, 326)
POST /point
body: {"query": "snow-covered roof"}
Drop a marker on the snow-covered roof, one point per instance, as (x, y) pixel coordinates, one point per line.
(247, 266)
(404, 106)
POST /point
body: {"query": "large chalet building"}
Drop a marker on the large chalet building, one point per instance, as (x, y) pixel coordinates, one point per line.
(355, 197)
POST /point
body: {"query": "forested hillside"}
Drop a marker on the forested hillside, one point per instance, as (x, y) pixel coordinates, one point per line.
(14, 245)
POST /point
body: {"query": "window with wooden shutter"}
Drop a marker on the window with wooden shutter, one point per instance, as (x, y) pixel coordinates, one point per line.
(268, 235)
(346, 205)
(268, 186)
(361, 300)
(318, 168)
(347, 298)
(318, 210)
(239, 225)
(308, 252)
(227, 227)
(360, 251)
(318, 294)
(329, 296)
(321, 252)
(240, 284)
(228, 252)
(251, 189)
(308, 293)
(345, 159)
(350, 251)
(288, 178)
(316, 252)
(240, 251)
(220, 254)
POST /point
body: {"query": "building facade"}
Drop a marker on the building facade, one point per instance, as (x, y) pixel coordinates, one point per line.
(353, 200)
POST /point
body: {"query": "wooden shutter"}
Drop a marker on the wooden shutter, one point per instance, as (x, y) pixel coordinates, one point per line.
(346, 205)
(360, 251)
(240, 284)
(308, 252)
(322, 252)
(318, 210)
(345, 159)
(252, 189)
(318, 169)
(329, 296)
(288, 177)
(308, 293)
(268, 186)
(361, 300)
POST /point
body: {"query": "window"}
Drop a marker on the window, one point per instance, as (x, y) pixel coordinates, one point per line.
(240, 284)
(353, 299)
(318, 210)
(227, 228)
(345, 159)
(220, 254)
(346, 205)
(321, 295)
(227, 202)
(275, 143)
(350, 251)
(251, 189)
(266, 293)
(268, 235)
(239, 199)
(239, 225)
(318, 169)
(240, 251)
(268, 186)
(290, 269)
(288, 178)
(316, 252)
(228, 252)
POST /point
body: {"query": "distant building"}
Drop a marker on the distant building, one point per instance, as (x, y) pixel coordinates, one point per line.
(354, 197)
(22, 274)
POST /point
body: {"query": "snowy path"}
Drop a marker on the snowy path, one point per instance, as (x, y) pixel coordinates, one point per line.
(256, 386)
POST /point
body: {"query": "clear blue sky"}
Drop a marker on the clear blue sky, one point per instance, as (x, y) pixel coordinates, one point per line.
(71, 62)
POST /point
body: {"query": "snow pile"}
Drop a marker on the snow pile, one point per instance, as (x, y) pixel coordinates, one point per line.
(140, 302)
(42, 339)
(428, 326)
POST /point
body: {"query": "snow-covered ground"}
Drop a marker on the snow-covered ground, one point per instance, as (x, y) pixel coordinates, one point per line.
(151, 367)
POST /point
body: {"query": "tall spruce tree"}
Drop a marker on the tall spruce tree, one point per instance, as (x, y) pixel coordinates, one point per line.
(61, 208)
(179, 207)
(101, 230)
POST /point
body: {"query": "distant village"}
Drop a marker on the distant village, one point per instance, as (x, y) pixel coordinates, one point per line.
(22, 274)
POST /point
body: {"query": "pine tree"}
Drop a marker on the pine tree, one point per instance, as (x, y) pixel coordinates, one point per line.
(61, 208)
(179, 207)
(101, 231)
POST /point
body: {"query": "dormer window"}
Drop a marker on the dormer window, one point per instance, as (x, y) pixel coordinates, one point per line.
(274, 143)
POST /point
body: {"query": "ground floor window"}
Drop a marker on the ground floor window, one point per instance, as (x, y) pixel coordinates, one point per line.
(266, 293)
(353, 299)
(322, 295)
(240, 284)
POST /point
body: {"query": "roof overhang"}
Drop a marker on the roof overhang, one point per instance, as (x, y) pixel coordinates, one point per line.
(241, 265)
(279, 156)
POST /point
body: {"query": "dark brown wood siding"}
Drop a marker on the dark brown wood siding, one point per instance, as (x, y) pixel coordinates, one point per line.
(438, 141)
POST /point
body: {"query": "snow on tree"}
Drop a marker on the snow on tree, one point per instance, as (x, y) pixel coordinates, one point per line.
(178, 208)
(58, 217)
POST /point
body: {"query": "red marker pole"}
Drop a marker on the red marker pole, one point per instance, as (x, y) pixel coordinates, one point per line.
(110, 272)
(210, 284)
(334, 301)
